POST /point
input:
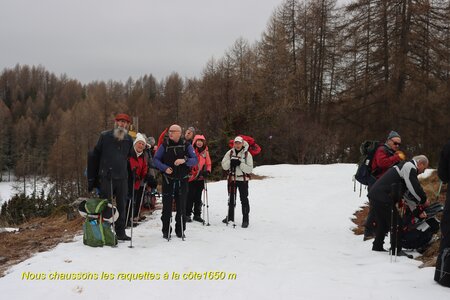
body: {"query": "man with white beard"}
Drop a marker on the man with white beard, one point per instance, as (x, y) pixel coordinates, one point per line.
(111, 155)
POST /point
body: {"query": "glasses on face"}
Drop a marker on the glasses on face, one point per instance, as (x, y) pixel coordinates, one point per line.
(174, 131)
(397, 143)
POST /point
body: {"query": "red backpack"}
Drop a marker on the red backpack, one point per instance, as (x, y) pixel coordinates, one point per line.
(253, 147)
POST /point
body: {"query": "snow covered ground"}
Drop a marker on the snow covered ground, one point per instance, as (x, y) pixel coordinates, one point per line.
(299, 246)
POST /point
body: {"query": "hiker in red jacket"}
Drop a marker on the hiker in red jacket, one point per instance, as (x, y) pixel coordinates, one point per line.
(385, 157)
(197, 178)
(138, 169)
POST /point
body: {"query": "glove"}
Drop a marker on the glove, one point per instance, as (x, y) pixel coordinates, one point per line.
(401, 155)
(234, 162)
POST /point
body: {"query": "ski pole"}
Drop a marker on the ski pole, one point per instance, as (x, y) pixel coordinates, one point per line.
(439, 190)
(230, 194)
(142, 199)
(132, 209)
(234, 200)
(112, 204)
(207, 205)
(391, 251)
(182, 209)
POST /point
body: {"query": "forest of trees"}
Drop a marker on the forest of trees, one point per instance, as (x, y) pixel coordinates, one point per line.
(320, 80)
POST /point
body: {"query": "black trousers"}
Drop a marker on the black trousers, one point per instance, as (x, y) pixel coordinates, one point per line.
(383, 213)
(194, 199)
(174, 189)
(120, 191)
(445, 224)
(233, 187)
(370, 221)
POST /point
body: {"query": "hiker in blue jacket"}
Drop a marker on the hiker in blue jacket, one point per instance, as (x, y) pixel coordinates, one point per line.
(174, 158)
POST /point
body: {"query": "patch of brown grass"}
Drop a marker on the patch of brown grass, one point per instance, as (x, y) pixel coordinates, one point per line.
(37, 235)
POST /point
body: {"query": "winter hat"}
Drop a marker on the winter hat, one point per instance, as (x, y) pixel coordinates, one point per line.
(192, 129)
(393, 134)
(239, 139)
(151, 141)
(123, 117)
(140, 138)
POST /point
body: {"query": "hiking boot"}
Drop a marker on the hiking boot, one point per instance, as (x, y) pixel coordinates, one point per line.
(368, 237)
(179, 234)
(403, 253)
(199, 219)
(166, 233)
(123, 237)
(245, 221)
(225, 220)
(188, 219)
(379, 249)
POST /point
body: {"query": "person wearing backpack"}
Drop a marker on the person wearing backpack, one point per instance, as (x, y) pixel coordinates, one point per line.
(442, 274)
(174, 158)
(386, 195)
(197, 178)
(110, 160)
(239, 164)
(386, 156)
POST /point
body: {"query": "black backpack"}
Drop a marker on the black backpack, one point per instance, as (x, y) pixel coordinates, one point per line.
(364, 172)
(442, 272)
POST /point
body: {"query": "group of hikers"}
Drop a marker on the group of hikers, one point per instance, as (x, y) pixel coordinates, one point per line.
(123, 169)
(399, 205)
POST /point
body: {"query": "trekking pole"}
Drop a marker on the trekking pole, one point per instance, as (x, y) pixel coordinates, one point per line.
(182, 209)
(391, 231)
(230, 187)
(132, 209)
(142, 199)
(207, 205)
(234, 200)
(439, 190)
(112, 204)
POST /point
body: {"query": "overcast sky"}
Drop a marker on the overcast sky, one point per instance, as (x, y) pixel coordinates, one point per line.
(114, 39)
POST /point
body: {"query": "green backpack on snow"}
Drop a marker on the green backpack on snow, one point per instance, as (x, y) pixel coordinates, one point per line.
(97, 230)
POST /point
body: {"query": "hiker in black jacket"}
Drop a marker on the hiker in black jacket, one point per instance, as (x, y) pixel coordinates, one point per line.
(444, 175)
(386, 195)
(110, 157)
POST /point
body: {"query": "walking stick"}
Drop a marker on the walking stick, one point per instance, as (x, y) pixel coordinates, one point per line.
(142, 199)
(112, 203)
(132, 209)
(205, 193)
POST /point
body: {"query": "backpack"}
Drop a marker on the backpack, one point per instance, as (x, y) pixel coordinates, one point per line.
(364, 172)
(162, 137)
(253, 147)
(99, 215)
(442, 272)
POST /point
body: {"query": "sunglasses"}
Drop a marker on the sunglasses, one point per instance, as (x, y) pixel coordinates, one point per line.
(397, 144)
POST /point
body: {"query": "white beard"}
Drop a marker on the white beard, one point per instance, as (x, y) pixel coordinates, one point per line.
(119, 133)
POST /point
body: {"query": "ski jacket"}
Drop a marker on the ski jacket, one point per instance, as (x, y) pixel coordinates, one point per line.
(246, 166)
(204, 160)
(405, 176)
(169, 152)
(110, 153)
(383, 159)
(139, 165)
